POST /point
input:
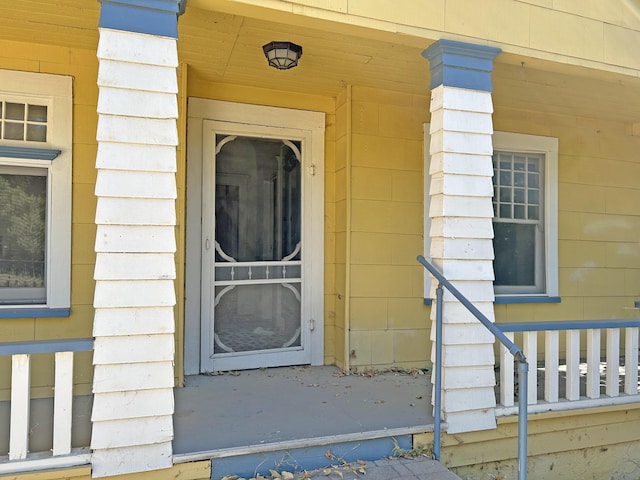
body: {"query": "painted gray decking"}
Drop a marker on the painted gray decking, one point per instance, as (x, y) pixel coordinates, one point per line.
(256, 407)
(291, 418)
(244, 418)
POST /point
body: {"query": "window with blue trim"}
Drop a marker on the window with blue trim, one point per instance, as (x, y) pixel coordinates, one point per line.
(525, 206)
(23, 196)
(35, 194)
(525, 222)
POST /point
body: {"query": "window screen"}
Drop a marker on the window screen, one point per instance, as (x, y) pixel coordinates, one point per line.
(23, 196)
(518, 222)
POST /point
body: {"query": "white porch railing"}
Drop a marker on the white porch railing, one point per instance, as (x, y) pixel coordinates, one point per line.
(19, 457)
(572, 380)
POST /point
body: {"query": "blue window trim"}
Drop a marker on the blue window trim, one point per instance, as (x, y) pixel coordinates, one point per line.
(637, 304)
(519, 300)
(27, 312)
(29, 152)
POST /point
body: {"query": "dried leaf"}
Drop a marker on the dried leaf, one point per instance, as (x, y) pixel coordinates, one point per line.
(326, 472)
(230, 477)
(274, 474)
(287, 475)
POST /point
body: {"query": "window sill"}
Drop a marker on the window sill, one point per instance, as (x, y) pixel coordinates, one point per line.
(28, 152)
(34, 312)
(522, 300)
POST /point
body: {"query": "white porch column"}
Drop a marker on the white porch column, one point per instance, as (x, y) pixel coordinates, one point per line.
(135, 241)
(461, 225)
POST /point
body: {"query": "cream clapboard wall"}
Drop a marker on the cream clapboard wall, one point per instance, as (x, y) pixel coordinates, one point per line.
(135, 245)
(461, 244)
(382, 185)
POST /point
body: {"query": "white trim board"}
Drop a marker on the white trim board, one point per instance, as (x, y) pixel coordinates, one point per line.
(245, 116)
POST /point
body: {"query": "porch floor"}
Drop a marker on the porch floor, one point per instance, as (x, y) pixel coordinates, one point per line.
(259, 407)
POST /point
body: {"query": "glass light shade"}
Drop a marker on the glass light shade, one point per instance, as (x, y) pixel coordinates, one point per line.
(282, 55)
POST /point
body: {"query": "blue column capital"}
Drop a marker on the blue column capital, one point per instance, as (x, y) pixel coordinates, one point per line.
(459, 64)
(154, 17)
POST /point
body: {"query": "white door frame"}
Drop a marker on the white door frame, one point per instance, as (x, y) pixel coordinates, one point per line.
(311, 124)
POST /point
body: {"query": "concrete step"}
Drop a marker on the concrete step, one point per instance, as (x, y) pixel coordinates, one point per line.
(413, 468)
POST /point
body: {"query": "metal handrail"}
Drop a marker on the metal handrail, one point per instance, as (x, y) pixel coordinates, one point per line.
(518, 355)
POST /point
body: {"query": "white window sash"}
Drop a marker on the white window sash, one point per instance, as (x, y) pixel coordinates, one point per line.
(55, 91)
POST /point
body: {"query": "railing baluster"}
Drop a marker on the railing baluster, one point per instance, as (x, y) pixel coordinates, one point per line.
(573, 365)
(593, 363)
(613, 362)
(551, 365)
(506, 374)
(530, 348)
(20, 400)
(62, 403)
(631, 361)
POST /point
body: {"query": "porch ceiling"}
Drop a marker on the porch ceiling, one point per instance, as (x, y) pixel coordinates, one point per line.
(228, 49)
(225, 48)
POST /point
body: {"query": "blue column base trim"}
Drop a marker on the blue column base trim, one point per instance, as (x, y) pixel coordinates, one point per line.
(462, 65)
(428, 302)
(27, 312)
(153, 17)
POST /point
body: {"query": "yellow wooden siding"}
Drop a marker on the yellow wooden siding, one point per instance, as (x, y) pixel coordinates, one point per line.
(599, 251)
(82, 66)
(588, 444)
(181, 471)
(389, 326)
(336, 341)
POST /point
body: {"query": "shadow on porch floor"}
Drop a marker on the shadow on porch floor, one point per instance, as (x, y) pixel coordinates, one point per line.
(259, 407)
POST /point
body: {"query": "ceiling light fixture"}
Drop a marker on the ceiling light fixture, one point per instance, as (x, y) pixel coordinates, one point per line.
(282, 55)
